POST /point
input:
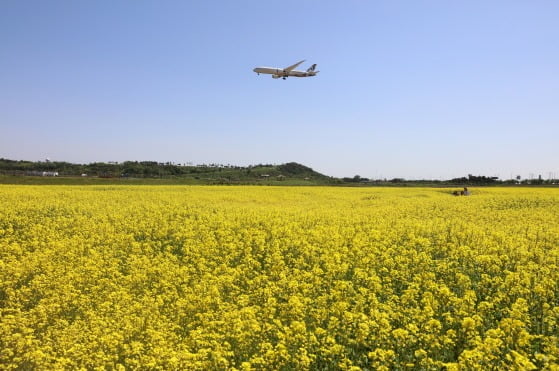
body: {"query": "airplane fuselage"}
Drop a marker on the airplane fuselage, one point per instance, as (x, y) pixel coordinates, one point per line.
(278, 72)
(286, 72)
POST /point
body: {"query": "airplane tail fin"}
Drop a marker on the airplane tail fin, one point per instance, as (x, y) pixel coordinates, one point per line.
(311, 68)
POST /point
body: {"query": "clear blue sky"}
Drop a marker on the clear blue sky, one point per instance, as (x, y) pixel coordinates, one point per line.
(413, 89)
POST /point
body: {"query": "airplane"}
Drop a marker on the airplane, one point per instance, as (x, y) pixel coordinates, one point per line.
(286, 72)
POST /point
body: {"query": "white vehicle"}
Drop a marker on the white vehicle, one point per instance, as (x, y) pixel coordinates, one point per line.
(286, 72)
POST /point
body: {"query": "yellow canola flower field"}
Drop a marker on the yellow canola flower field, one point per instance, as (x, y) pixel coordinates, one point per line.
(223, 277)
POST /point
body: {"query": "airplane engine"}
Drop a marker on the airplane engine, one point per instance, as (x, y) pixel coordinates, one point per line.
(276, 76)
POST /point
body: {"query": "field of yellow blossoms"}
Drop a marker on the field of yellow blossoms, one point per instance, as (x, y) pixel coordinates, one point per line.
(223, 277)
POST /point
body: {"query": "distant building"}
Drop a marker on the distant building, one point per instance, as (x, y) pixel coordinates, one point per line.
(41, 173)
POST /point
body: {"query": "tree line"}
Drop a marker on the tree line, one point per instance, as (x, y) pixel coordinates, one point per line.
(151, 169)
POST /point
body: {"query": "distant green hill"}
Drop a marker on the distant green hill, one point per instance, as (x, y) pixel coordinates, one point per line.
(149, 172)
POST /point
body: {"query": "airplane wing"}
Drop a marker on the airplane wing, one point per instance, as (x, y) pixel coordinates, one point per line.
(290, 68)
